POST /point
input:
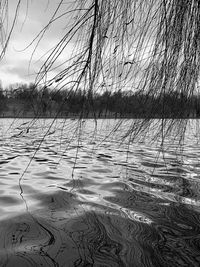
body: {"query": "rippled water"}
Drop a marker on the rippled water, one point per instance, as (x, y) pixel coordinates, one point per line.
(71, 197)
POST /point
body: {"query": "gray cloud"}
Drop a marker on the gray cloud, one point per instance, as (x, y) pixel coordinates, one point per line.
(30, 21)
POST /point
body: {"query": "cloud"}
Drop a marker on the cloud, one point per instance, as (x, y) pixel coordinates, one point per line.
(31, 19)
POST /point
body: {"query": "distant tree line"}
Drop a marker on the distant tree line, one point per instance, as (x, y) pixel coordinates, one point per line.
(30, 100)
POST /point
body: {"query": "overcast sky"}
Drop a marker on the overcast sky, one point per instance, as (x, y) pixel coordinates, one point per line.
(31, 19)
(18, 65)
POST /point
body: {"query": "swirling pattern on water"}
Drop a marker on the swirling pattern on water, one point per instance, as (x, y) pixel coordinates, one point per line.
(85, 201)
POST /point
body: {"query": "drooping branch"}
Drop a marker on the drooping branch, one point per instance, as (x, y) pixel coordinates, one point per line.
(150, 46)
(6, 34)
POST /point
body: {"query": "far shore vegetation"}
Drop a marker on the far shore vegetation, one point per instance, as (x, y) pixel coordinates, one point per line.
(27, 101)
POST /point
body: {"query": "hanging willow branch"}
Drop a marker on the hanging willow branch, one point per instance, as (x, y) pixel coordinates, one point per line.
(6, 29)
(146, 46)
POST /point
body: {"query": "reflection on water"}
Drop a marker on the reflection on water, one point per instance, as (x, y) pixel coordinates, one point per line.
(85, 201)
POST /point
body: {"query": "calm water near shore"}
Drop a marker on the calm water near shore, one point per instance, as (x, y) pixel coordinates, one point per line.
(75, 195)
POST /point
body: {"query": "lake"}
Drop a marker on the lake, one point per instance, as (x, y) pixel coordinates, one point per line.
(79, 194)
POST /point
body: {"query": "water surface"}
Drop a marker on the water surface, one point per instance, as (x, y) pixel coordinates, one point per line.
(75, 195)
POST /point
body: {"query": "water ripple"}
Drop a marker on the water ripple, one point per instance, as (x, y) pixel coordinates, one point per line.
(93, 201)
